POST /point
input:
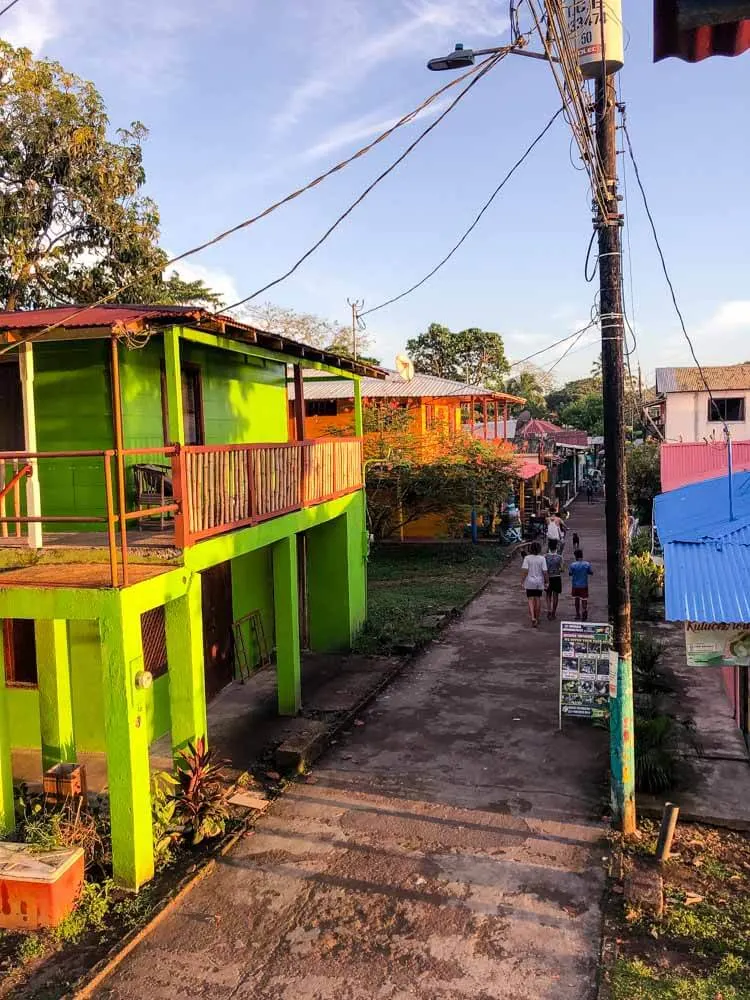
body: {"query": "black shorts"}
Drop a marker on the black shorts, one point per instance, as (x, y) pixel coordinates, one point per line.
(555, 585)
(533, 593)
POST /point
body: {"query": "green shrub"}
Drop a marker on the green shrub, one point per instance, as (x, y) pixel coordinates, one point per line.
(90, 913)
(646, 583)
(655, 754)
(640, 543)
(31, 947)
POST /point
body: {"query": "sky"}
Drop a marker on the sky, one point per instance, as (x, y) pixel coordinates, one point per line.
(246, 100)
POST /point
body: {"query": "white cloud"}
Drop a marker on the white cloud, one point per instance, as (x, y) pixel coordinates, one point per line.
(360, 129)
(730, 317)
(217, 279)
(33, 24)
(351, 45)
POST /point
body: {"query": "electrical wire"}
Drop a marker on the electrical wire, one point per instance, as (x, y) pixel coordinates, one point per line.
(562, 340)
(567, 351)
(404, 120)
(631, 154)
(8, 6)
(473, 225)
(488, 65)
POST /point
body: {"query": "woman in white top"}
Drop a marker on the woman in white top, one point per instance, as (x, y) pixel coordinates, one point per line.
(555, 531)
(534, 578)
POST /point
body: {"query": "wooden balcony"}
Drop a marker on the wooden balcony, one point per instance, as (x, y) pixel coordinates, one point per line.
(97, 499)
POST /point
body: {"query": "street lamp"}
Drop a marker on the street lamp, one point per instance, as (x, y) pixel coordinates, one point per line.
(460, 57)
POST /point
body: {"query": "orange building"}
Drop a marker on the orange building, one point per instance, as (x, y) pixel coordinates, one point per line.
(431, 404)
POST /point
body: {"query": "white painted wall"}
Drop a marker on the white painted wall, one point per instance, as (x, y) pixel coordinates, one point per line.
(687, 417)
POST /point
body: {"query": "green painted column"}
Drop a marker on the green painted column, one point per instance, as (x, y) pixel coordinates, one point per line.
(126, 740)
(173, 380)
(187, 694)
(286, 614)
(357, 407)
(336, 573)
(7, 817)
(55, 692)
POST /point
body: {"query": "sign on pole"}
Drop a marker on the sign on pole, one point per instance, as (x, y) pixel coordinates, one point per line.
(717, 644)
(585, 649)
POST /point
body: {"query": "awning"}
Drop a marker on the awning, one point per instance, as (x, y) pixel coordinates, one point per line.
(528, 469)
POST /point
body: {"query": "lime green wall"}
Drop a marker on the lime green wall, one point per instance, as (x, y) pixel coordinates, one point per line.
(23, 717)
(252, 587)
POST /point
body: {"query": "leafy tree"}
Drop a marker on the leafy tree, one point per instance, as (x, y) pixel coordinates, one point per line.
(73, 224)
(571, 392)
(531, 383)
(586, 413)
(309, 329)
(474, 356)
(644, 478)
(446, 476)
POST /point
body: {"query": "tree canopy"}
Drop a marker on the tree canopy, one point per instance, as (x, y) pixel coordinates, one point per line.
(586, 413)
(531, 383)
(644, 478)
(74, 225)
(310, 329)
(474, 356)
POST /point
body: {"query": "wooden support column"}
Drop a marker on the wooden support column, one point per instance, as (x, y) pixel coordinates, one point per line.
(187, 695)
(126, 738)
(497, 414)
(299, 403)
(358, 417)
(7, 813)
(471, 414)
(119, 434)
(173, 385)
(33, 496)
(522, 499)
(286, 612)
(55, 693)
(505, 421)
(484, 417)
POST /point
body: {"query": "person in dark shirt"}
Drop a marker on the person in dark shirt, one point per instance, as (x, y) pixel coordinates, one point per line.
(554, 578)
(579, 572)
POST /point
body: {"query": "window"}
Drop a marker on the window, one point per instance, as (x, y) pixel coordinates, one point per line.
(192, 405)
(154, 639)
(729, 408)
(19, 649)
(320, 408)
(429, 416)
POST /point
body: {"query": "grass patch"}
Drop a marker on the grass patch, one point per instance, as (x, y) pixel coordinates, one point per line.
(700, 948)
(410, 586)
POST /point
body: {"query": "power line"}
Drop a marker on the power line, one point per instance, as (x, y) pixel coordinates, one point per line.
(556, 343)
(480, 68)
(714, 408)
(569, 348)
(474, 224)
(487, 66)
(7, 7)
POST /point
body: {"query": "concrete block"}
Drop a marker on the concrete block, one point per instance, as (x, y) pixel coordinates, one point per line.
(644, 890)
(300, 749)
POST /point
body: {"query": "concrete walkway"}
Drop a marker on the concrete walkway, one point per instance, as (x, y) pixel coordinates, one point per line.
(448, 848)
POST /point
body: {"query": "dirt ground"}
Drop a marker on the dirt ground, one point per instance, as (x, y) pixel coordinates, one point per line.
(449, 846)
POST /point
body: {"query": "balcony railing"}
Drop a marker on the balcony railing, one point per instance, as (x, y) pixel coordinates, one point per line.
(201, 491)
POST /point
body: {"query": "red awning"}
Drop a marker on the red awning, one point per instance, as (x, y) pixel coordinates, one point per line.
(673, 38)
(529, 468)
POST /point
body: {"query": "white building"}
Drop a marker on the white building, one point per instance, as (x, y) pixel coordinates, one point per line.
(690, 414)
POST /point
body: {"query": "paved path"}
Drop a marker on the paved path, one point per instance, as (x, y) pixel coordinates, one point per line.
(450, 848)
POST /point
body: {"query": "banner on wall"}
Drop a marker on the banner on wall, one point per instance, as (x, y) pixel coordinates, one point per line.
(717, 644)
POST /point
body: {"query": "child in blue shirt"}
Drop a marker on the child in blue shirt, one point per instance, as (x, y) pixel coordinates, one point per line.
(580, 571)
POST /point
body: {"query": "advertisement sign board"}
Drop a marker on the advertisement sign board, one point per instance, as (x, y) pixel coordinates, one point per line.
(584, 670)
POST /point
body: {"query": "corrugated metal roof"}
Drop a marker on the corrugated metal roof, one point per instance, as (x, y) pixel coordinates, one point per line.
(529, 468)
(719, 378)
(677, 35)
(394, 386)
(701, 511)
(76, 317)
(693, 462)
(707, 582)
(479, 429)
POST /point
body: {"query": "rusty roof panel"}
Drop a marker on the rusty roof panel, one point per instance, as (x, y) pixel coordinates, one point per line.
(719, 378)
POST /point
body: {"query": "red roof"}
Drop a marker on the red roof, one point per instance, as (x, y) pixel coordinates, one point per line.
(693, 44)
(73, 317)
(528, 468)
(682, 464)
(539, 428)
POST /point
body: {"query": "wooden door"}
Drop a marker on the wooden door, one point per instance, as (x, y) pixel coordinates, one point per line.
(11, 408)
(216, 589)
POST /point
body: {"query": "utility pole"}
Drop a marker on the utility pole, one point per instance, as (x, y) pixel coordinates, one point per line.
(356, 307)
(622, 754)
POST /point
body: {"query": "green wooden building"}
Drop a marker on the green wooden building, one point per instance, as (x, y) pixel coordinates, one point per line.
(153, 495)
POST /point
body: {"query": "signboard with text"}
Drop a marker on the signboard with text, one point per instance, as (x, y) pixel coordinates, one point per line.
(717, 644)
(584, 669)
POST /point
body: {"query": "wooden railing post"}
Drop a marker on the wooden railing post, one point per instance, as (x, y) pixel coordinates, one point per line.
(111, 518)
(180, 496)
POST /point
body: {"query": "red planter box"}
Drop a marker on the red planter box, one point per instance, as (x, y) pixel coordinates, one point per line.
(38, 889)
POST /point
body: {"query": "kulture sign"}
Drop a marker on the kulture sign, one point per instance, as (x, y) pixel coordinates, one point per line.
(717, 644)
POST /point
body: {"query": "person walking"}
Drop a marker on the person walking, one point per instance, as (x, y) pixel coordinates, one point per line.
(535, 580)
(554, 562)
(589, 491)
(579, 572)
(554, 533)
